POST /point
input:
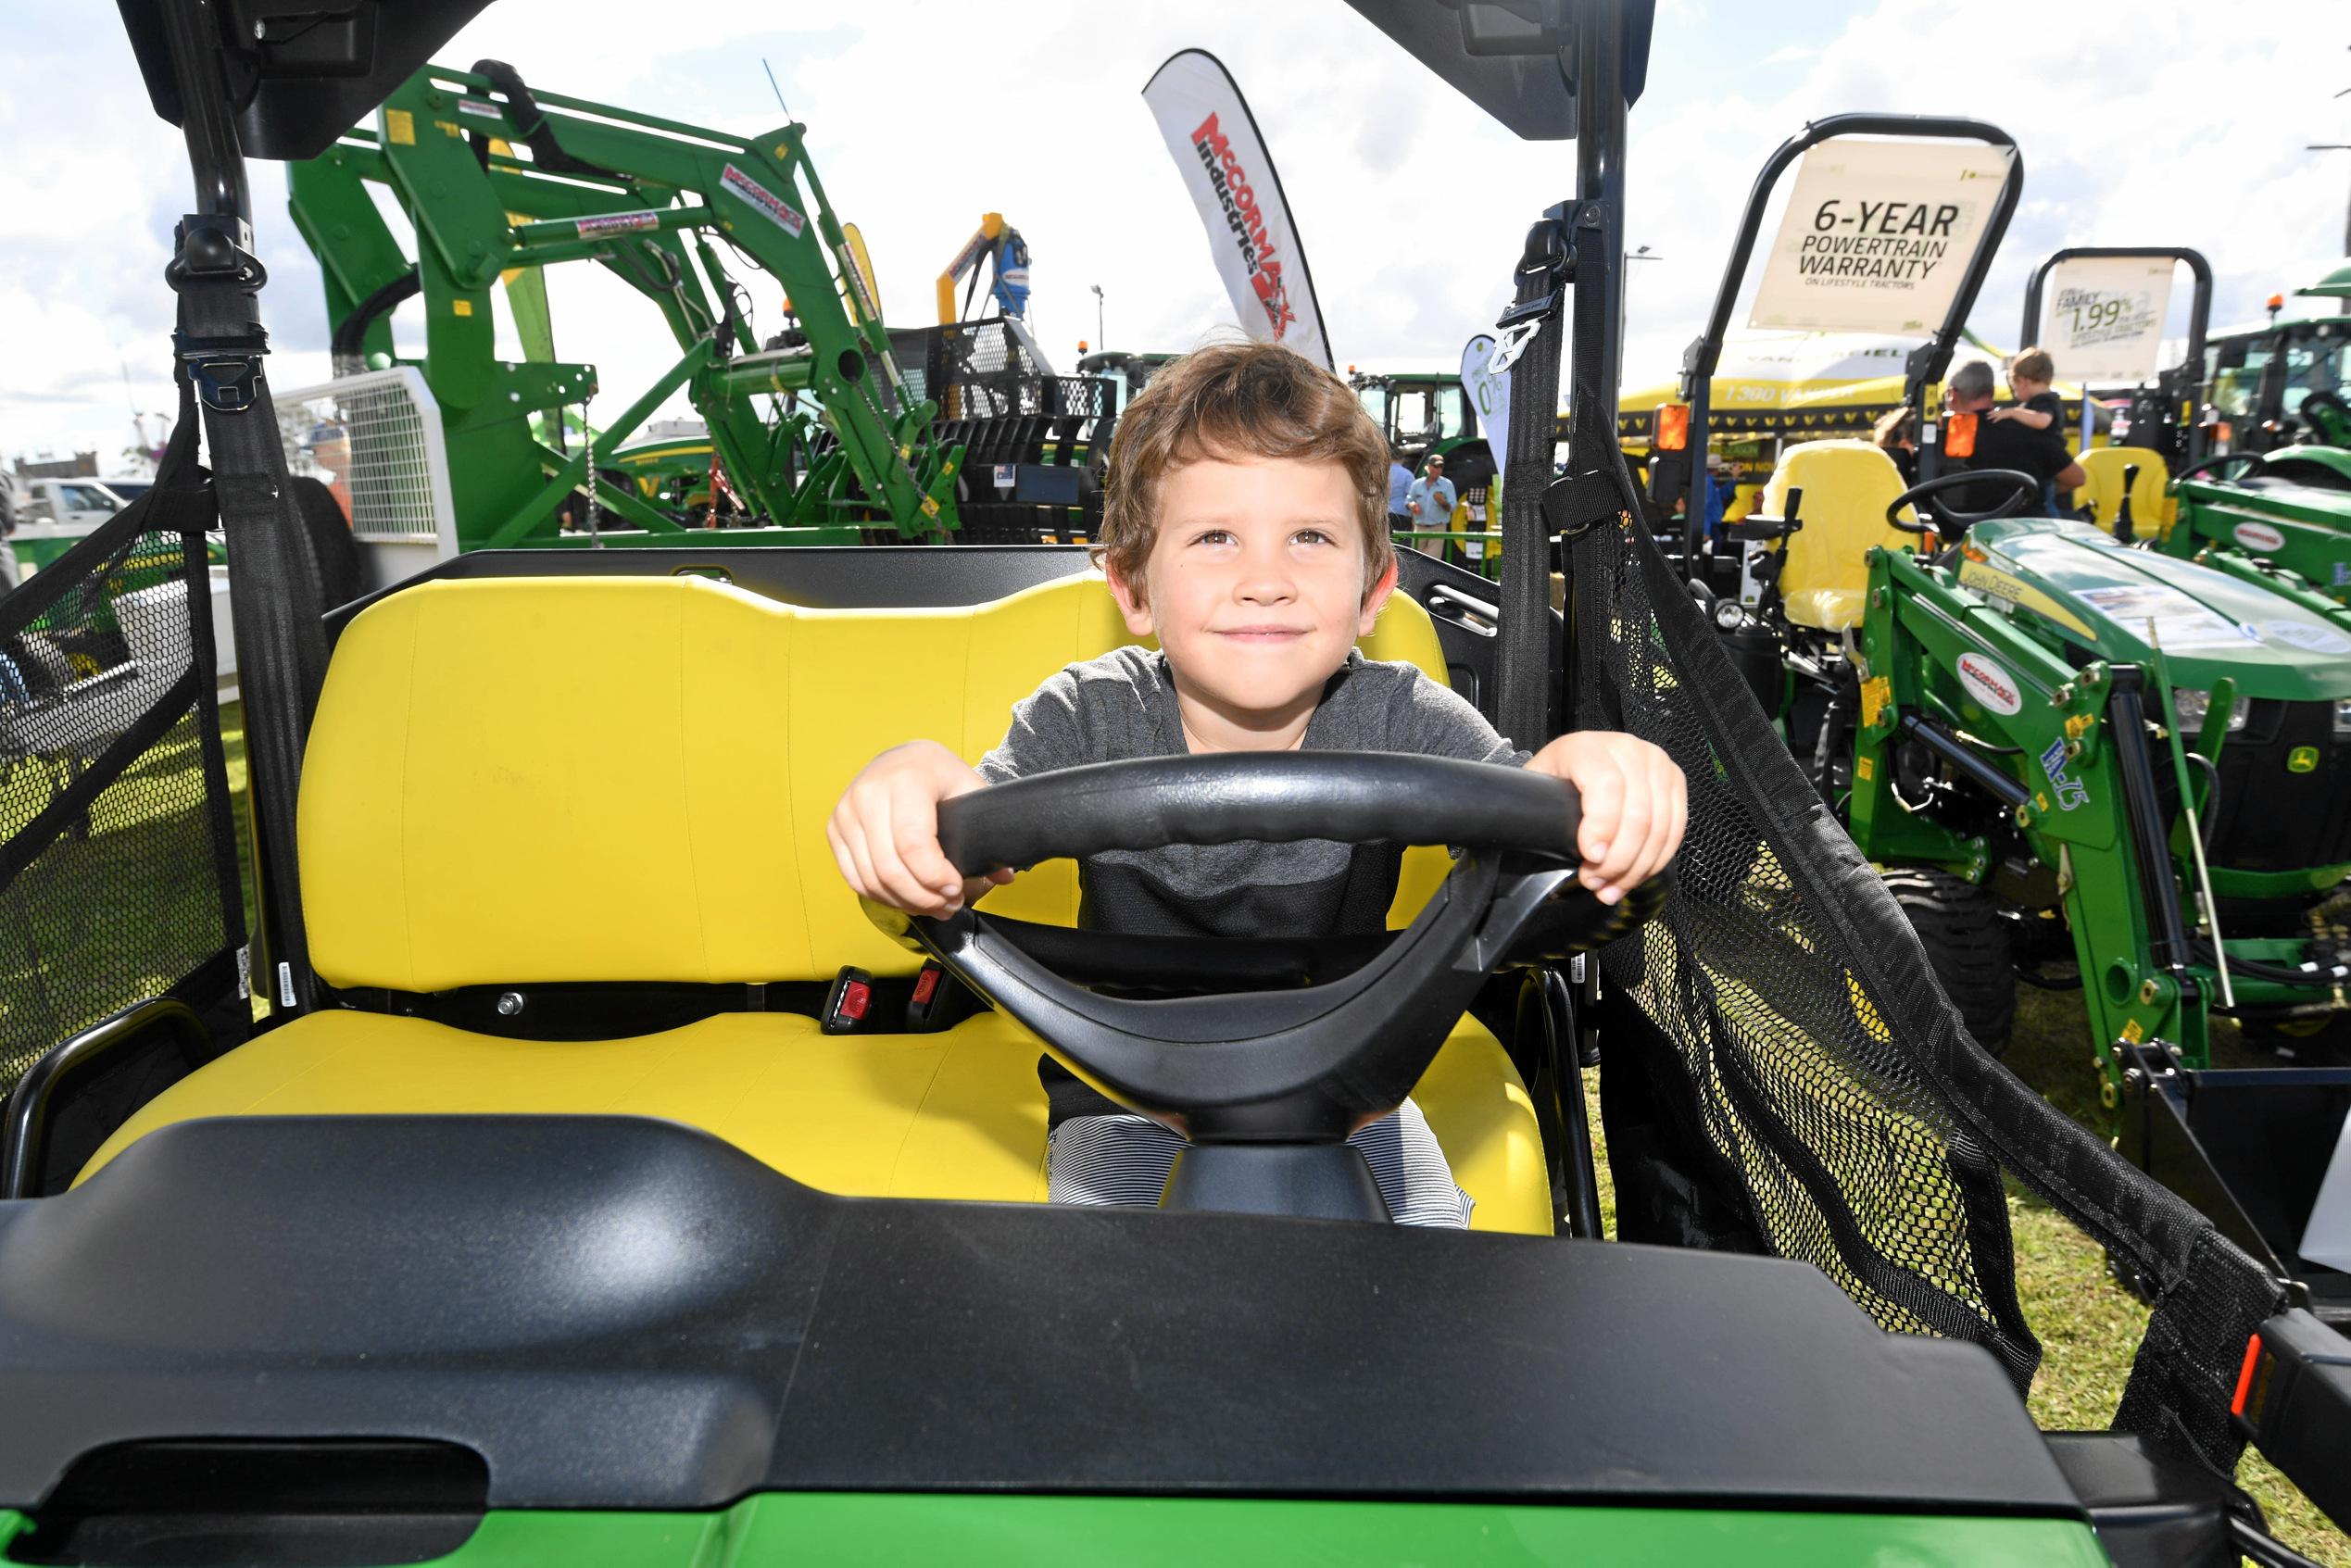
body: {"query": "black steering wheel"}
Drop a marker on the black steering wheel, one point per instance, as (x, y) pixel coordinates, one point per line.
(1267, 1084)
(2219, 462)
(2326, 418)
(2023, 490)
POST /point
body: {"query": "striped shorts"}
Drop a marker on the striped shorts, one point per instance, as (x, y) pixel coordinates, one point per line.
(1122, 1162)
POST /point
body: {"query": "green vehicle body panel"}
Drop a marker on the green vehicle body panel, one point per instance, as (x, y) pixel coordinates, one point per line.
(1035, 1532)
(2025, 593)
(2306, 530)
(2301, 655)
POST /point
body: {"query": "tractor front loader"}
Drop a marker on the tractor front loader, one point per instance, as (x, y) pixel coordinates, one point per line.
(820, 424)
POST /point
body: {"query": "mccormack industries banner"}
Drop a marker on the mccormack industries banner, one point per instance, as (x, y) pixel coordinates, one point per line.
(1231, 177)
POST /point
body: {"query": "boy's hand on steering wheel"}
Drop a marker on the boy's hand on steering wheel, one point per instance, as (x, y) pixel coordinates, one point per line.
(1635, 805)
(884, 831)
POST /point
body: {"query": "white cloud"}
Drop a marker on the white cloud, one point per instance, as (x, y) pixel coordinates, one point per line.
(2187, 127)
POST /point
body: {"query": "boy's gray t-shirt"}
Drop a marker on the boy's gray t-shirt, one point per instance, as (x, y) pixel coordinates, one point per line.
(1123, 705)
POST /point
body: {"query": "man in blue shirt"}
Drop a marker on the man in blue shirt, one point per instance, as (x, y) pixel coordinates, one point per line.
(1400, 482)
(1430, 500)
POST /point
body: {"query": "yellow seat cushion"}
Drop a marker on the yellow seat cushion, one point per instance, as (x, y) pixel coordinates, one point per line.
(958, 1114)
(1847, 487)
(2150, 503)
(519, 781)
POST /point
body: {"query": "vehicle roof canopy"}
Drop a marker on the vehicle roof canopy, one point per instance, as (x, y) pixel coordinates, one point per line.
(317, 67)
(1510, 57)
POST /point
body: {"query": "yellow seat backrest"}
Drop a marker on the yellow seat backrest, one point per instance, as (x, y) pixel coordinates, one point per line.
(551, 779)
(2150, 493)
(1847, 487)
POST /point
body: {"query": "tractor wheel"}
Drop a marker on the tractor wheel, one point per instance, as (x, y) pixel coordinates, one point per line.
(1968, 943)
(331, 553)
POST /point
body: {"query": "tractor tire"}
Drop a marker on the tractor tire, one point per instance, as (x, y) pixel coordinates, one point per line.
(1967, 943)
(329, 550)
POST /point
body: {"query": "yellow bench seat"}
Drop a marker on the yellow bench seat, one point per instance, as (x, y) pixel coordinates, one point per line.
(624, 781)
(956, 1114)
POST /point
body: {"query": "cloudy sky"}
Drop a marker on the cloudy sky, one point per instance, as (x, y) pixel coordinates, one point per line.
(2157, 121)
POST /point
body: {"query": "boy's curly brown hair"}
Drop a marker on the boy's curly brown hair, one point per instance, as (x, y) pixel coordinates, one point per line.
(1239, 400)
(2032, 364)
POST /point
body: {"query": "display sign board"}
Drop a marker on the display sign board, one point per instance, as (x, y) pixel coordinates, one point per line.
(1878, 235)
(2102, 316)
(1490, 395)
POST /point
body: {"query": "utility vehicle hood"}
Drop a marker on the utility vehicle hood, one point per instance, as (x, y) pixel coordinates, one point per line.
(2101, 598)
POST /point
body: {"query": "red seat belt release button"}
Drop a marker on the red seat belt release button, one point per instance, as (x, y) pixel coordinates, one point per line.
(848, 1003)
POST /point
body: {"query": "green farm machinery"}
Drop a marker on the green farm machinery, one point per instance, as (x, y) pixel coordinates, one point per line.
(2252, 442)
(818, 424)
(1428, 414)
(2276, 490)
(599, 1182)
(2076, 760)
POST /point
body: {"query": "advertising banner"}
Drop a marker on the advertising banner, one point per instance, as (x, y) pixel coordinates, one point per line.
(1877, 235)
(1490, 395)
(2102, 317)
(1230, 176)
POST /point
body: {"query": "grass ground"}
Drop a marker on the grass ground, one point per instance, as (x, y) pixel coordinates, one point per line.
(67, 958)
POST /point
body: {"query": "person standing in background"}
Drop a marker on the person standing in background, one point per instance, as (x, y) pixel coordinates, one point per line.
(1400, 484)
(2032, 379)
(2005, 443)
(1721, 488)
(1431, 501)
(1896, 433)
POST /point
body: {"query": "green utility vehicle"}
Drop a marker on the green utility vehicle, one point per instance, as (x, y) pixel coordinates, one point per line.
(2072, 755)
(605, 1184)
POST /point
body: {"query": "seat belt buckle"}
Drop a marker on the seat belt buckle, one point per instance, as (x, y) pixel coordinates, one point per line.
(930, 1006)
(850, 1002)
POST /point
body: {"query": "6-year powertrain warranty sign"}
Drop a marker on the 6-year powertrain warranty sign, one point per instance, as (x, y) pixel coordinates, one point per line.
(1877, 235)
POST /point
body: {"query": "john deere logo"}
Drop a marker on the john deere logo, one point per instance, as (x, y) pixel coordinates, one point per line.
(2302, 759)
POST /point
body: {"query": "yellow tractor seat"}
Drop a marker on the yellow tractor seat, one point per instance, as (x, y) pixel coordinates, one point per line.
(1847, 487)
(2151, 503)
(519, 781)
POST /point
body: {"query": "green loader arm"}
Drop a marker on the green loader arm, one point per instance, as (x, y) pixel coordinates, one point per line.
(502, 184)
(1944, 669)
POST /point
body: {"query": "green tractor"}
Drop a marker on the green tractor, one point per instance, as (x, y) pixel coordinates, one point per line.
(2277, 488)
(2076, 760)
(602, 1184)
